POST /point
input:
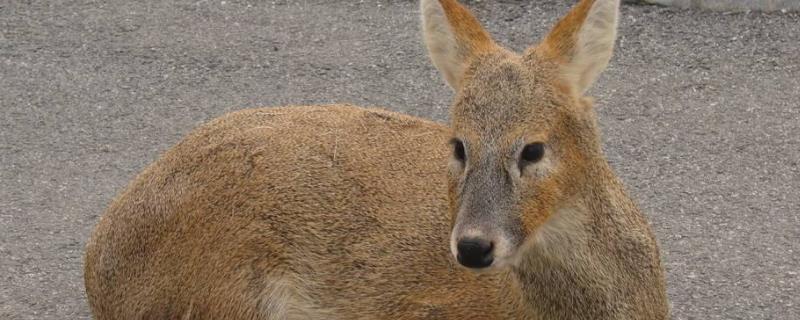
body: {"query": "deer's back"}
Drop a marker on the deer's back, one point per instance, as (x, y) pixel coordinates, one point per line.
(304, 211)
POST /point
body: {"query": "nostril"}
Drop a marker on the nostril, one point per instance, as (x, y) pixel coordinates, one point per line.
(475, 253)
(475, 246)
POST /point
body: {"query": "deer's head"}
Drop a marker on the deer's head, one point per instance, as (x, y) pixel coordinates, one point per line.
(523, 132)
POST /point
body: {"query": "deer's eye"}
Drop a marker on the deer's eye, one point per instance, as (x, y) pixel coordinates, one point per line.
(458, 150)
(532, 153)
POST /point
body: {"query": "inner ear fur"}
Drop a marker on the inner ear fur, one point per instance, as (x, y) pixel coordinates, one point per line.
(454, 37)
(582, 42)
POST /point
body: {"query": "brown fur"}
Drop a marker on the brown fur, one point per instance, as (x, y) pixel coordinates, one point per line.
(560, 43)
(339, 212)
(467, 28)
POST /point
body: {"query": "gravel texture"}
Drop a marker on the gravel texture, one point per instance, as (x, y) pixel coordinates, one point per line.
(700, 112)
(731, 5)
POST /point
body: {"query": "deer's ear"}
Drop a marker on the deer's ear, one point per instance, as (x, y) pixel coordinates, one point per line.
(453, 37)
(583, 41)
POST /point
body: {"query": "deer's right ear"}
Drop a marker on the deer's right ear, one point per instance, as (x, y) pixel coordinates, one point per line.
(453, 37)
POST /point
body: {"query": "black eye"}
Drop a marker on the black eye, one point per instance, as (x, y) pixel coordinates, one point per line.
(533, 152)
(458, 150)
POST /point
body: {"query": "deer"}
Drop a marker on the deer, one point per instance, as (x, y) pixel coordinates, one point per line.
(511, 211)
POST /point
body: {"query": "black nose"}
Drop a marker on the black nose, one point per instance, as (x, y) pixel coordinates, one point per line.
(475, 253)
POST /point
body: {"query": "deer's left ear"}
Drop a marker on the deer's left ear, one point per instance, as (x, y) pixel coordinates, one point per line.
(583, 41)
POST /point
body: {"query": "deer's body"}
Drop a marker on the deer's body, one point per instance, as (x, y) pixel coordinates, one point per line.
(307, 211)
(338, 212)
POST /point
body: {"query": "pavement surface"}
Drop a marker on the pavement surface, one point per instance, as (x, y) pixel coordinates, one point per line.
(700, 113)
(731, 5)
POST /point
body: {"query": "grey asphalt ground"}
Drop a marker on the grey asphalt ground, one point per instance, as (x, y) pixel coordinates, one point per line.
(700, 112)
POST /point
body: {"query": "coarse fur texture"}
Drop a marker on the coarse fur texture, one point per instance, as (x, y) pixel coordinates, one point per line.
(303, 212)
(340, 212)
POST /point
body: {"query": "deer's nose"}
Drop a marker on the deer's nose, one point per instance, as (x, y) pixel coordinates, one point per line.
(475, 253)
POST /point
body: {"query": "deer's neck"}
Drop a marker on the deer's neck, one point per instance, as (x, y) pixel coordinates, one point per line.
(563, 270)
